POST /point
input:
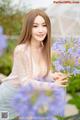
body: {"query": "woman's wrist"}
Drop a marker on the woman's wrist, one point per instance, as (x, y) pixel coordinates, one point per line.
(50, 75)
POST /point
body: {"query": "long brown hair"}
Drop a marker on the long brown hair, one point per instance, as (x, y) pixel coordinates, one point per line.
(26, 32)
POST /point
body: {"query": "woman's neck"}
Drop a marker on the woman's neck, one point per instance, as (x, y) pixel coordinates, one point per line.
(37, 45)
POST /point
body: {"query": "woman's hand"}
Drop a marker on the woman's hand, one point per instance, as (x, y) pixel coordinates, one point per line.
(60, 78)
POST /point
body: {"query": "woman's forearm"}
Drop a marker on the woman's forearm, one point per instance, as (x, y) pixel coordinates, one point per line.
(42, 85)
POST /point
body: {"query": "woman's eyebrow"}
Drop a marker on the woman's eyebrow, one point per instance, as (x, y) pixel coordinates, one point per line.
(39, 23)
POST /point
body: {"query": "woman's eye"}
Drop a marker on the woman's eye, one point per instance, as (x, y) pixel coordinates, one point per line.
(35, 26)
(45, 25)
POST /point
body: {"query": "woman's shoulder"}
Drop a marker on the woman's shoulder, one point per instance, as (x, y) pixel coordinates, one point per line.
(21, 48)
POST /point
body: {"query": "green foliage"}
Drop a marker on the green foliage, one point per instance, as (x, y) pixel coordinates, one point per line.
(59, 118)
(11, 24)
(5, 64)
(6, 58)
(10, 19)
(75, 100)
(74, 84)
(74, 90)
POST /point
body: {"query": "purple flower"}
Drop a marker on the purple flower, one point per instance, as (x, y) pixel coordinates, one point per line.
(78, 41)
(39, 103)
(67, 55)
(68, 68)
(58, 47)
(58, 104)
(58, 66)
(70, 51)
(76, 71)
(3, 41)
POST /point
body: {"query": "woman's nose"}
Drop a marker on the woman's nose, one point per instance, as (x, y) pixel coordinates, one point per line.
(40, 29)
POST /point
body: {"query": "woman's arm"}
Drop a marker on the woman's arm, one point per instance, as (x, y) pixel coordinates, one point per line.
(18, 68)
(40, 85)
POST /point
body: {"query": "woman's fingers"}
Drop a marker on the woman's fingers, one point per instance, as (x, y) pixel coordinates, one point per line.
(59, 76)
(64, 82)
(60, 83)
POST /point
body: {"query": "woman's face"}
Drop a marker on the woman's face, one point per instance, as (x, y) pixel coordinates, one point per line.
(39, 29)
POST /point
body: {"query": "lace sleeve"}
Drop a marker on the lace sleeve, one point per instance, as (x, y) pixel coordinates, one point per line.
(18, 68)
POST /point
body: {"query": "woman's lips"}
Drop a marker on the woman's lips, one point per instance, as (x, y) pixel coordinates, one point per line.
(41, 35)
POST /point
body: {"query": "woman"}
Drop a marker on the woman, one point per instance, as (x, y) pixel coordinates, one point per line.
(32, 60)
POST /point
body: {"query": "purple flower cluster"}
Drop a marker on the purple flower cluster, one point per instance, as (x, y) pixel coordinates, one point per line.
(68, 55)
(3, 41)
(39, 104)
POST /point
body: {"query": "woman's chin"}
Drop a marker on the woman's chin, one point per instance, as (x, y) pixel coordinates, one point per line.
(40, 39)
